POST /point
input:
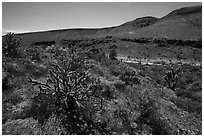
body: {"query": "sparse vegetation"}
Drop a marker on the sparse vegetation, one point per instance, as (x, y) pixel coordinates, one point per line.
(113, 54)
(75, 88)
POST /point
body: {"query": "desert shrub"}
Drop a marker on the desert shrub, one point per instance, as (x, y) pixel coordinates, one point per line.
(12, 78)
(109, 63)
(7, 81)
(40, 71)
(107, 91)
(12, 68)
(6, 111)
(197, 96)
(53, 127)
(144, 100)
(98, 69)
(113, 54)
(21, 110)
(13, 97)
(95, 53)
(21, 127)
(118, 115)
(29, 66)
(42, 107)
(45, 43)
(141, 110)
(162, 45)
(120, 85)
(67, 89)
(10, 45)
(130, 78)
(142, 40)
(125, 73)
(188, 105)
(198, 44)
(189, 79)
(34, 53)
(119, 68)
(12, 104)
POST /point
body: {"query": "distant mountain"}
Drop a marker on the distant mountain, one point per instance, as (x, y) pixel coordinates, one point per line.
(184, 23)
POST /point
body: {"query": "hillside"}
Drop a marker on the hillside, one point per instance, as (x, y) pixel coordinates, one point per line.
(129, 26)
(184, 23)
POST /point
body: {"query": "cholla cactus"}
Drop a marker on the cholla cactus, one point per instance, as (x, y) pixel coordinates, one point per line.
(70, 85)
(171, 78)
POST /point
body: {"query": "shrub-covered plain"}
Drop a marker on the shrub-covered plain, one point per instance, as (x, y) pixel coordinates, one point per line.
(74, 88)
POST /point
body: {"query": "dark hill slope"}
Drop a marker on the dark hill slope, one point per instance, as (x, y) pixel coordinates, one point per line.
(56, 35)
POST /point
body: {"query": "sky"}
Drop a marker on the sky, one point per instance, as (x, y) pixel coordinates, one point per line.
(19, 17)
